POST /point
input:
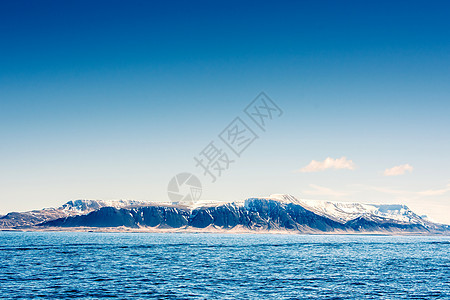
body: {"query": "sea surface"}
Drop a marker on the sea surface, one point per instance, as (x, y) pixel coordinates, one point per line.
(222, 266)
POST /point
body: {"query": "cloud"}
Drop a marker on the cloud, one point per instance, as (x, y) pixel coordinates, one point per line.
(324, 191)
(436, 192)
(328, 163)
(408, 194)
(398, 170)
(387, 190)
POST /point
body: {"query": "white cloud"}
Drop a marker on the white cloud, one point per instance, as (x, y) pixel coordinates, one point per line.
(329, 163)
(387, 190)
(398, 170)
(408, 194)
(435, 192)
(324, 191)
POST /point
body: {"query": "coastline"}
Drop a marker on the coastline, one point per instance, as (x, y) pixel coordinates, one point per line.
(212, 230)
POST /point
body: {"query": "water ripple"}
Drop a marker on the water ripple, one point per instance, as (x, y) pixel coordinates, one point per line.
(221, 266)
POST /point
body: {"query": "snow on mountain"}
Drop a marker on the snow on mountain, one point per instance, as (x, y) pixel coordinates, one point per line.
(84, 206)
(276, 211)
(71, 208)
(214, 203)
(341, 212)
(346, 211)
(30, 218)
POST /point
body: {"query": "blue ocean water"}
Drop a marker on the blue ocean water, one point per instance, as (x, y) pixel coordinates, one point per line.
(222, 266)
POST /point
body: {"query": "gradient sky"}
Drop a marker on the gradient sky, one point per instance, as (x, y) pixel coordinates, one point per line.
(111, 99)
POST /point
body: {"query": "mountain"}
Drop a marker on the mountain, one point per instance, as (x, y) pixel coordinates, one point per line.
(71, 208)
(275, 213)
(343, 212)
(83, 206)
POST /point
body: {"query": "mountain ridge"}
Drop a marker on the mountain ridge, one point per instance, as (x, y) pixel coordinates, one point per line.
(278, 212)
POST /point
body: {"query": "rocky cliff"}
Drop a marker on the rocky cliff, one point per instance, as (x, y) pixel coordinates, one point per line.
(256, 214)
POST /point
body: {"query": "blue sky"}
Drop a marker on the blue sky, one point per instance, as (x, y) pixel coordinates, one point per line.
(109, 100)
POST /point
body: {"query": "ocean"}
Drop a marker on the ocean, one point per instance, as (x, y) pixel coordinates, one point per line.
(65, 265)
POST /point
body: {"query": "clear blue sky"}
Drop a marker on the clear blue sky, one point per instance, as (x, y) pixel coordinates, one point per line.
(110, 99)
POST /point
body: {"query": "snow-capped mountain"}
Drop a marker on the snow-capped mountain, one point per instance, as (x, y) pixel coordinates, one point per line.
(277, 212)
(84, 206)
(346, 211)
(71, 208)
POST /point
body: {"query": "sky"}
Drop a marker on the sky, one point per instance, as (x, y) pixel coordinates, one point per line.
(112, 99)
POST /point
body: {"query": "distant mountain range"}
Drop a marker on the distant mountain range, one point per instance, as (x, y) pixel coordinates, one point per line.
(275, 213)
